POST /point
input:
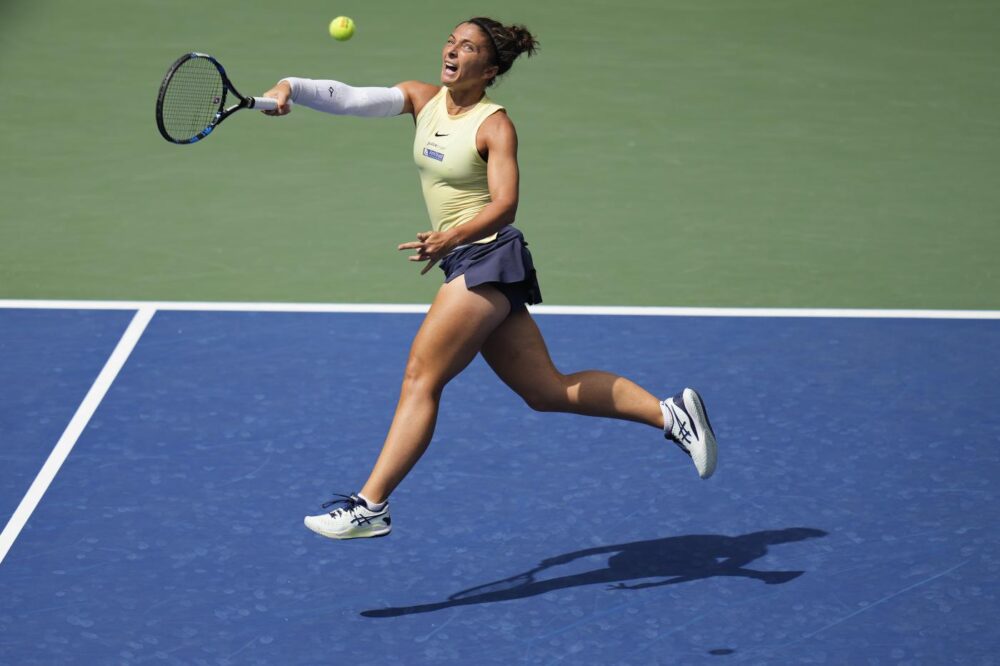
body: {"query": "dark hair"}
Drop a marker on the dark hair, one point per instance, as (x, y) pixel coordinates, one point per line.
(507, 42)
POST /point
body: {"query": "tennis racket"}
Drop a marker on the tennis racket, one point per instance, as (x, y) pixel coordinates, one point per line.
(193, 97)
(507, 584)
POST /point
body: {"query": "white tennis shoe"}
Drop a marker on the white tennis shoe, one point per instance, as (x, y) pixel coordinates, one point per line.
(354, 520)
(690, 429)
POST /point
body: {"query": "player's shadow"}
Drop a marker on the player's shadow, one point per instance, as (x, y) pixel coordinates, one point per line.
(657, 562)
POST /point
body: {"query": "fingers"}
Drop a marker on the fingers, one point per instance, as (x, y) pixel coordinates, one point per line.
(420, 244)
(421, 255)
(284, 108)
(280, 92)
(430, 252)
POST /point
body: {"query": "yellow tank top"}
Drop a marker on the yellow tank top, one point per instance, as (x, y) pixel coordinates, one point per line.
(452, 172)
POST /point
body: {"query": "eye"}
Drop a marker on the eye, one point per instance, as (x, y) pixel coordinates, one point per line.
(468, 47)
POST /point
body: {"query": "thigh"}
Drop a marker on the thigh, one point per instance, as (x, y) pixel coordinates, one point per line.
(518, 355)
(455, 328)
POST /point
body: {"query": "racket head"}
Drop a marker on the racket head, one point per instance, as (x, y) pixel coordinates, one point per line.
(192, 98)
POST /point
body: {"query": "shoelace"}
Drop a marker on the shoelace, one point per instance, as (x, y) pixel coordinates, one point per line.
(351, 501)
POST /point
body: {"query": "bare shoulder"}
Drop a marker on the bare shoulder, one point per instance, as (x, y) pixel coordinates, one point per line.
(416, 94)
(499, 128)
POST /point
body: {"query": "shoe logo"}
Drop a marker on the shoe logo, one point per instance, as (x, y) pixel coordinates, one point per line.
(684, 433)
(439, 134)
(360, 519)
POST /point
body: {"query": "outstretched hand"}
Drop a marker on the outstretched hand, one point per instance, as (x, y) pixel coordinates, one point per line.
(281, 92)
(430, 247)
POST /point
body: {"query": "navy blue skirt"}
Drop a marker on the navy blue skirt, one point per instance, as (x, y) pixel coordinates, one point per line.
(504, 263)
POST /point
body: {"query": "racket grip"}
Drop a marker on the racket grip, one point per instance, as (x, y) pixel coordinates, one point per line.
(265, 103)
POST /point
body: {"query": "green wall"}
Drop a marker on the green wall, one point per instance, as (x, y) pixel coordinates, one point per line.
(730, 153)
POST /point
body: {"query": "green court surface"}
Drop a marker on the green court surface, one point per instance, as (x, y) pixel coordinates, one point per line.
(716, 152)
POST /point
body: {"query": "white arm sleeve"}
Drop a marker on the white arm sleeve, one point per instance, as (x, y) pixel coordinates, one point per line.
(343, 100)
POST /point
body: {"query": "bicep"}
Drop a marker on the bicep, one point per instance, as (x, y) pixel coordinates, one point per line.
(502, 172)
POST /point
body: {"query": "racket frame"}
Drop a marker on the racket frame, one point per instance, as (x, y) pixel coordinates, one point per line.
(222, 113)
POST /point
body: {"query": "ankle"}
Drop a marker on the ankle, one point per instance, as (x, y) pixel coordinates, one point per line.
(372, 504)
(668, 418)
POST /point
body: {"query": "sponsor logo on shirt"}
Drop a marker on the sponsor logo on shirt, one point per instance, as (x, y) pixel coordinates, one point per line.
(433, 154)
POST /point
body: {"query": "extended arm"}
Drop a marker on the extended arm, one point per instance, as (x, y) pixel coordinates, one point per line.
(337, 98)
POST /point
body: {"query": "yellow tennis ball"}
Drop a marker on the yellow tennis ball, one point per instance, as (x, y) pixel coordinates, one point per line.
(342, 28)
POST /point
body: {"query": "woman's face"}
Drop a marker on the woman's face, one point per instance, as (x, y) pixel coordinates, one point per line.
(466, 58)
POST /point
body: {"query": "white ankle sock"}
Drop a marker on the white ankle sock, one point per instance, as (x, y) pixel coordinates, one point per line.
(372, 506)
(668, 418)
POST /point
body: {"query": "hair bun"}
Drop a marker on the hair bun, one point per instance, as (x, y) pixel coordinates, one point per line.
(508, 41)
(524, 41)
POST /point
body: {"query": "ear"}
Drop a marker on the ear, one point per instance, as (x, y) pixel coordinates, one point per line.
(490, 72)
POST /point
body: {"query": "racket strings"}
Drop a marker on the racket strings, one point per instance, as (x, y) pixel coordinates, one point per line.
(192, 98)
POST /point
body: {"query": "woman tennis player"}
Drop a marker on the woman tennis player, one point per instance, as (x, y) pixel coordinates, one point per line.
(466, 152)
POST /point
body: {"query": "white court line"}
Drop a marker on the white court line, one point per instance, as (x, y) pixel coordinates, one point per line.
(75, 428)
(388, 308)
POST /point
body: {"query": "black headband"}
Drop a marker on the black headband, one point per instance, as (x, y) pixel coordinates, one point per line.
(484, 28)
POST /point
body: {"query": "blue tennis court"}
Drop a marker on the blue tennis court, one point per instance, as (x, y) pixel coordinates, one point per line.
(853, 518)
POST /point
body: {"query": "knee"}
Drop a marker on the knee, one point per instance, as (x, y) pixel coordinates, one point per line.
(548, 397)
(541, 403)
(419, 379)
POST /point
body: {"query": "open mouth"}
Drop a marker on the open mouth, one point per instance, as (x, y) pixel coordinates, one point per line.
(450, 67)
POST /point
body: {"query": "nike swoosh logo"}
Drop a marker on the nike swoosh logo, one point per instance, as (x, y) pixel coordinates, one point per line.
(439, 134)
